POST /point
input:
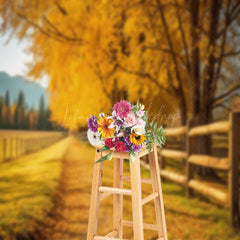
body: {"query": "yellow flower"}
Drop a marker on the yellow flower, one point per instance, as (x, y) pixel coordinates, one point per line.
(137, 139)
(104, 129)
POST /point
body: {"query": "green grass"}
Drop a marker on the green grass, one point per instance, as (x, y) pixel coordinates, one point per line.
(27, 186)
(195, 218)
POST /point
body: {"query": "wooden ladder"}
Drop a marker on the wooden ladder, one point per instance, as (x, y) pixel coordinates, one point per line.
(100, 192)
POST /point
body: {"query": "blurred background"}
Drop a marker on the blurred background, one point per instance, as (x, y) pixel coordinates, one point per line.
(62, 61)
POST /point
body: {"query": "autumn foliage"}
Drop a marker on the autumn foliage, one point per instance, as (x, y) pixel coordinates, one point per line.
(174, 53)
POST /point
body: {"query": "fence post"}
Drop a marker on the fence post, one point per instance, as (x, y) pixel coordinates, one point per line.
(11, 148)
(189, 167)
(4, 149)
(234, 158)
(22, 152)
(24, 145)
(17, 147)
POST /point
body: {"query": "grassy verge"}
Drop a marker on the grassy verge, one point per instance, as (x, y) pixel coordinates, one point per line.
(26, 186)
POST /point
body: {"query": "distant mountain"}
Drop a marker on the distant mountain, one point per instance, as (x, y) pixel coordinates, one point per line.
(32, 90)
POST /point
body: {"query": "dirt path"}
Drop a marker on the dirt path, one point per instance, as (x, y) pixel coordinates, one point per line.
(69, 216)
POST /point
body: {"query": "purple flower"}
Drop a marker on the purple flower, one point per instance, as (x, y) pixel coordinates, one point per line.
(136, 148)
(92, 123)
(126, 148)
(127, 140)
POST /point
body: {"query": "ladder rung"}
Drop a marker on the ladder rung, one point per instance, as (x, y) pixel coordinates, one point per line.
(107, 238)
(115, 190)
(104, 195)
(112, 234)
(145, 225)
(143, 180)
(149, 198)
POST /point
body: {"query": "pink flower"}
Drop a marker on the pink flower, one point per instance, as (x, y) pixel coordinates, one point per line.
(140, 113)
(122, 108)
(141, 122)
(130, 120)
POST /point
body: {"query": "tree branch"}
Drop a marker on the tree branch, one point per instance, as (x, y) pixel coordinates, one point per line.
(56, 35)
(224, 95)
(183, 36)
(222, 47)
(231, 54)
(60, 8)
(144, 75)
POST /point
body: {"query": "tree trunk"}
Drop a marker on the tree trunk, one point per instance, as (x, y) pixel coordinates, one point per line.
(183, 109)
(194, 69)
(201, 103)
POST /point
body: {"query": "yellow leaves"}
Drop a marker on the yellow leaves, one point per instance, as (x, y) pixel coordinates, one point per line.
(84, 75)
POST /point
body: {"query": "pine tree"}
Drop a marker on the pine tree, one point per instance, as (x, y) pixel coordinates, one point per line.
(5, 112)
(7, 99)
(21, 100)
(48, 122)
(41, 114)
(20, 108)
(1, 106)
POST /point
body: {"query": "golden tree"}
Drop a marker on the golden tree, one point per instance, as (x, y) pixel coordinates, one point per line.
(173, 51)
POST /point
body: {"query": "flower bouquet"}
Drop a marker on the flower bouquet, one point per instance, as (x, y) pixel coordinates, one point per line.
(126, 130)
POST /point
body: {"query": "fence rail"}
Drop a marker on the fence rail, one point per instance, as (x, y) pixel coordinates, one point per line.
(229, 196)
(16, 146)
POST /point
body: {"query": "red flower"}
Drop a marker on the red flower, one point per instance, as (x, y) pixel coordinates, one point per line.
(109, 143)
(120, 147)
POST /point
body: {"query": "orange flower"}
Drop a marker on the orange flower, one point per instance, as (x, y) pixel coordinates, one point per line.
(104, 129)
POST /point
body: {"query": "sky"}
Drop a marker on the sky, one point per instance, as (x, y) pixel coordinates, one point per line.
(13, 58)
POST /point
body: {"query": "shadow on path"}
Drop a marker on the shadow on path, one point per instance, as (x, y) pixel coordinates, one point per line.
(69, 216)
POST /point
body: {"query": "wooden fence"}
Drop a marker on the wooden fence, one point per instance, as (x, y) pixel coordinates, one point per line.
(229, 196)
(16, 146)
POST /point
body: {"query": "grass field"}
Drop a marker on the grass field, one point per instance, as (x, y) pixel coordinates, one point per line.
(24, 133)
(28, 185)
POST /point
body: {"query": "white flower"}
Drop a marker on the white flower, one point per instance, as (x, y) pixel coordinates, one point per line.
(141, 107)
(94, 138)
(138, 129)
(117, 121)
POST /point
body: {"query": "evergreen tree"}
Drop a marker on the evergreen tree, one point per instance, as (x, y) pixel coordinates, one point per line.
(41, 114)
(20, 108)
(7, 99)
(48, 122)
(21, 100)
(5, 112)
(1, 106)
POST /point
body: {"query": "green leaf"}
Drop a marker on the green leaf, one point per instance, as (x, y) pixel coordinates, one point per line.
(107, 157)
(104, 148)
(151, 124)
(154, 127)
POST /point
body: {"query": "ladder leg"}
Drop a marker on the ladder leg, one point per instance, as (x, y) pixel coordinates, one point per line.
(94, 203)
(117, 198)
(158, 201)
(136, 199)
